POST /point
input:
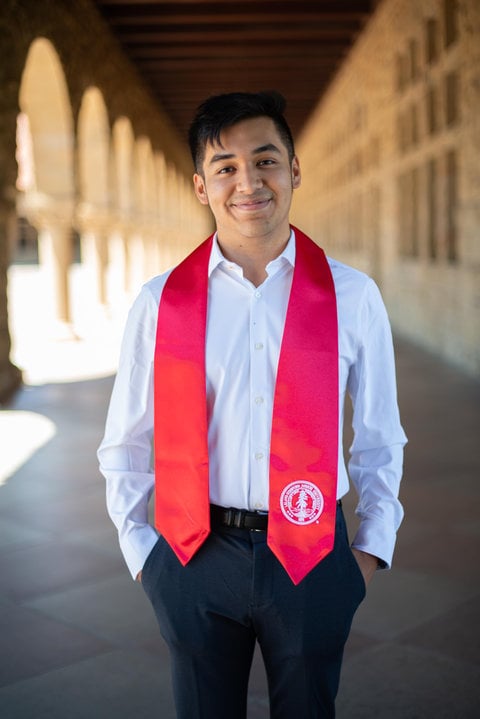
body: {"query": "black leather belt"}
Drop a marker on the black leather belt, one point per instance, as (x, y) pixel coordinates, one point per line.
(238, 518)
(241, 518)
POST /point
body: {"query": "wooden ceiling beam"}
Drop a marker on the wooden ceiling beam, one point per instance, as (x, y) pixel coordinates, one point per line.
(179, 104)
(199, 52)
(188, 49)
(181, 68)
(154, 18)
(251, 6)
(167, 85)
(284, 34)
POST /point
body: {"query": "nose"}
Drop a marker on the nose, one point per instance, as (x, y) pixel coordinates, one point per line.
(248, 179)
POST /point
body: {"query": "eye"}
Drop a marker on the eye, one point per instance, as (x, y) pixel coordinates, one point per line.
(225, 170)
(263, 163)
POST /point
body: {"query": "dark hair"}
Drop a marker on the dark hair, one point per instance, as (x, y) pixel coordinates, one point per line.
(222, 111)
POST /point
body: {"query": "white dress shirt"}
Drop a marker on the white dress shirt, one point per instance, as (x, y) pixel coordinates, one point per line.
(244, 330)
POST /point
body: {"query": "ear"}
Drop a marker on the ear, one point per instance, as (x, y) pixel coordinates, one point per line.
(200, 189)
(296, 174)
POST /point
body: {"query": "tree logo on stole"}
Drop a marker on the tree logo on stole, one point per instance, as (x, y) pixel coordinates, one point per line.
(301, 502)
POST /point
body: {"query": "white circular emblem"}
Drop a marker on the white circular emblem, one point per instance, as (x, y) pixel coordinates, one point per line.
(301, 502)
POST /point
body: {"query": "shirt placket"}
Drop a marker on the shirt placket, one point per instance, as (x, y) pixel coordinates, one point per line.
(259, 402)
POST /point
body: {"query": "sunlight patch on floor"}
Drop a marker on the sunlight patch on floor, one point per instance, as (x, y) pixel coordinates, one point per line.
(22, 433)
(48, 351)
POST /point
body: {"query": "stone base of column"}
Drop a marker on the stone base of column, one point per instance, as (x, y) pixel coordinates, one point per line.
(10, 381)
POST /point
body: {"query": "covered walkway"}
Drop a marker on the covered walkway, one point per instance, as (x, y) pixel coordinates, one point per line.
(78, 637)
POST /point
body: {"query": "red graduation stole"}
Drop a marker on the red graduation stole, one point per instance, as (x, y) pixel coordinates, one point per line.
(304, 440)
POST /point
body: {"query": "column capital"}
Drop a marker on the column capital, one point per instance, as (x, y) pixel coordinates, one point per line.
(44, 211)
(97, 219)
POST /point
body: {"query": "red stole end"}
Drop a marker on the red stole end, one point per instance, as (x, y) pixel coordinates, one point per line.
(304, 440)
(182, 509)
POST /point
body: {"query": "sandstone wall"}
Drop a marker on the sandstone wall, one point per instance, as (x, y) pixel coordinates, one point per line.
(391, 167)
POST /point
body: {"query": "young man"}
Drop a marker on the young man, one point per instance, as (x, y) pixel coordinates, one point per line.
(235, 366)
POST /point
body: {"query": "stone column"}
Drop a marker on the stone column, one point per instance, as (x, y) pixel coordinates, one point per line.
(134, 244)
(120, 255)
(126, 232)
(95, 228)
(117, 260)
(10, 375)
(55, 254)
(53, 220)
(152, 257)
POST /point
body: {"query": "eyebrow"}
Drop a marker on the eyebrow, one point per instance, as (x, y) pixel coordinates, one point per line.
(220, 156)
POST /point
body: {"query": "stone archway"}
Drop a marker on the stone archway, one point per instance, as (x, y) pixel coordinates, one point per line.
(122, 171)
(165, 254)
(143, 248)
(93, 215)
(48, 200)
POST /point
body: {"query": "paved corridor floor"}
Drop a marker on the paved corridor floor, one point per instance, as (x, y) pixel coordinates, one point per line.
(78, 639)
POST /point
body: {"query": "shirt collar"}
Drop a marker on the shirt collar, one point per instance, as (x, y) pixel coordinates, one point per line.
(287, 256)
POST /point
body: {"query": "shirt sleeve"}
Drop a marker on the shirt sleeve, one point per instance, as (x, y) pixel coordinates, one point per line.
(125, 454)
(376, 454)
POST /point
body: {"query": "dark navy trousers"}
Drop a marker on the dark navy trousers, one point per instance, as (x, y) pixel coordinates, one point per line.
(233, 593)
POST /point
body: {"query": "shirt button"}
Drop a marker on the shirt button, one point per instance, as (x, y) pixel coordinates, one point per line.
(259, 455)
(259, 345)
(258, 295)
(258, 400)
(258, 505)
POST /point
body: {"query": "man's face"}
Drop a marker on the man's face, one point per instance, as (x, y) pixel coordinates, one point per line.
(248, 181)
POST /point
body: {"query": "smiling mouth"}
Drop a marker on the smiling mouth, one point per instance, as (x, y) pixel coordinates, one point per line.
(251, 205)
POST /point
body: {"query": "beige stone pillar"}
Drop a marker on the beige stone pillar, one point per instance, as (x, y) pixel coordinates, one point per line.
(10, 375)
(117, 260)
(94, 251)
(119, 254)
(135, 248)
(54, 248)
(127, 253)
(53, 221)
(95, 228)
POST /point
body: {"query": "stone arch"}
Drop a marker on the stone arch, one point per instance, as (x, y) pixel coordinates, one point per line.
(184, 219)
(123, 142)
(94, 180)
(146, 204)
(24, 155)
(94, 149)
(26, 238)
(48, 201)
(146, 181)
(163, 211)
(45, 100)
(172, 190)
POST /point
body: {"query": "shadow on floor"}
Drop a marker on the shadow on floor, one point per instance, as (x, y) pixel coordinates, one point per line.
(78, 637)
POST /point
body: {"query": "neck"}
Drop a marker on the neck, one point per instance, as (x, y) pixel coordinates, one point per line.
(253, 255)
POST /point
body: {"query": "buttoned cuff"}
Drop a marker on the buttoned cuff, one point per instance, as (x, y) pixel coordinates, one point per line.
(136, 545)
(376, 539)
